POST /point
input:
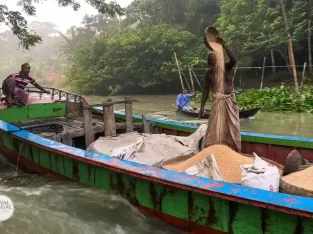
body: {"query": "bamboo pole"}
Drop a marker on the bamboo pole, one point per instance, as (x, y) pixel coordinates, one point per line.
(309, 46)
(273, 62)
(191, 80)
(235, 73)
(292, 63)
(180, 77)
(263, 70)
(302, 78)
(186, 81)
(196, 79)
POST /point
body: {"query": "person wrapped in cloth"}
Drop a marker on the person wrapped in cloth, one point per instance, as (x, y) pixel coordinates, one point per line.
(13, 87)
(223, 125)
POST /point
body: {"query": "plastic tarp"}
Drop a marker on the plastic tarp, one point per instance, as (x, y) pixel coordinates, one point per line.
(148, 149)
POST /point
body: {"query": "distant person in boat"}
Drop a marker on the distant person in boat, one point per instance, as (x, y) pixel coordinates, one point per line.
(13, 87)
(182, 101)
(223, 125)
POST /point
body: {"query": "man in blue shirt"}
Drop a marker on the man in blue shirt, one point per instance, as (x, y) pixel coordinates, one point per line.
(182, 101)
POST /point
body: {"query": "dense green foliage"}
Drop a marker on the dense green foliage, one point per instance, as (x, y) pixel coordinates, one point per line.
(28, 38)
(138, 50)
(112, 54)
(274, 99)
(131, 58)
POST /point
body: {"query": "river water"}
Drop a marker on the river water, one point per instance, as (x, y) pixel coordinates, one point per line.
(288, 124)
(45, 204)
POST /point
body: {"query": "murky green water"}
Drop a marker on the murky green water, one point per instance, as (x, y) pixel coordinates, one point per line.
(291, 124)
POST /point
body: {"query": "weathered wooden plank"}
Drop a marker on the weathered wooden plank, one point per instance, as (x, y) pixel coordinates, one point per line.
(56, 137)
(74, 109)
(129, 115)
(100, 129)
(109, 103)
(88, 128)
(109, 120)
(147, 126)
(67, 139)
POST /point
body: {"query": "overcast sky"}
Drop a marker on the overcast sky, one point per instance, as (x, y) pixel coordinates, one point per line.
(63, 17)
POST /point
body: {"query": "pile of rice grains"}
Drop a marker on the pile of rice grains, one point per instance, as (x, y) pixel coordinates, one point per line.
(298, 172)
(228, 162)
(301, 179)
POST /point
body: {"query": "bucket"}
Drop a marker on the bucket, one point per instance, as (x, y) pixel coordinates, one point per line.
(210, 35)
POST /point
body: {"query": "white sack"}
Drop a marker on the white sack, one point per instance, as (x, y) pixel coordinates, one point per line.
(207, 168)
(261, 175)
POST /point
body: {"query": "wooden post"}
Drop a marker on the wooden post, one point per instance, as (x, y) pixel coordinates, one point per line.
(180, 77)
(67, 139)
(302, 79)
(89, 134)
(109, 119)
(309, 46)
(292, 63)
(235, 73)
(129, 115)
(186, 81)
(52, 94)
(147, 127)
(191, 80)
(197, 79)
(273, 62)
(263, 70)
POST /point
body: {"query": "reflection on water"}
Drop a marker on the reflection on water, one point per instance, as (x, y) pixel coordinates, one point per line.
(290, 124)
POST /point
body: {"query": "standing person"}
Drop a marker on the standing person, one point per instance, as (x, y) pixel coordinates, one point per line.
(182, 101)
(13, 87)
(223, 125)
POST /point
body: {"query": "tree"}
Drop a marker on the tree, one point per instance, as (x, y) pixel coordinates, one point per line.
(28, 38)
(135, 58)
(256, 27)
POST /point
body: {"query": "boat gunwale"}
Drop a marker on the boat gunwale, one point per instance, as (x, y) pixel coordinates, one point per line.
(270, 200)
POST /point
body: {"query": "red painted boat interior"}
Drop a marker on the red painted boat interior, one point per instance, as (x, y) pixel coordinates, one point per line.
(33, 99)
(273, 152)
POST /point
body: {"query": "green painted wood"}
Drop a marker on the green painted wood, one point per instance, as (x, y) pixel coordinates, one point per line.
(33, 111)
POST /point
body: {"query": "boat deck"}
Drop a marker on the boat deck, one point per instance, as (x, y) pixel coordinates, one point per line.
(65, 129)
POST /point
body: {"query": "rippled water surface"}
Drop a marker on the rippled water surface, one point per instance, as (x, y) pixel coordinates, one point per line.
(290, 124)
(46, 205)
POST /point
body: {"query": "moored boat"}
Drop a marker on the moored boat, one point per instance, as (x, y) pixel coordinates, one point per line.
(243, 114)
(193, 204)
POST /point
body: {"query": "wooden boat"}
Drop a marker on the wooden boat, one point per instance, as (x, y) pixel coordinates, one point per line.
(243, 114)
(194, 204)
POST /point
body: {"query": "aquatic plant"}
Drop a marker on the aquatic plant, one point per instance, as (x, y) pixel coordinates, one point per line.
(275, 99)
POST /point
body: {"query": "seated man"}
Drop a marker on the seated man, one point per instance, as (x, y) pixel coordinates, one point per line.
(182, 101)
(13, 87)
